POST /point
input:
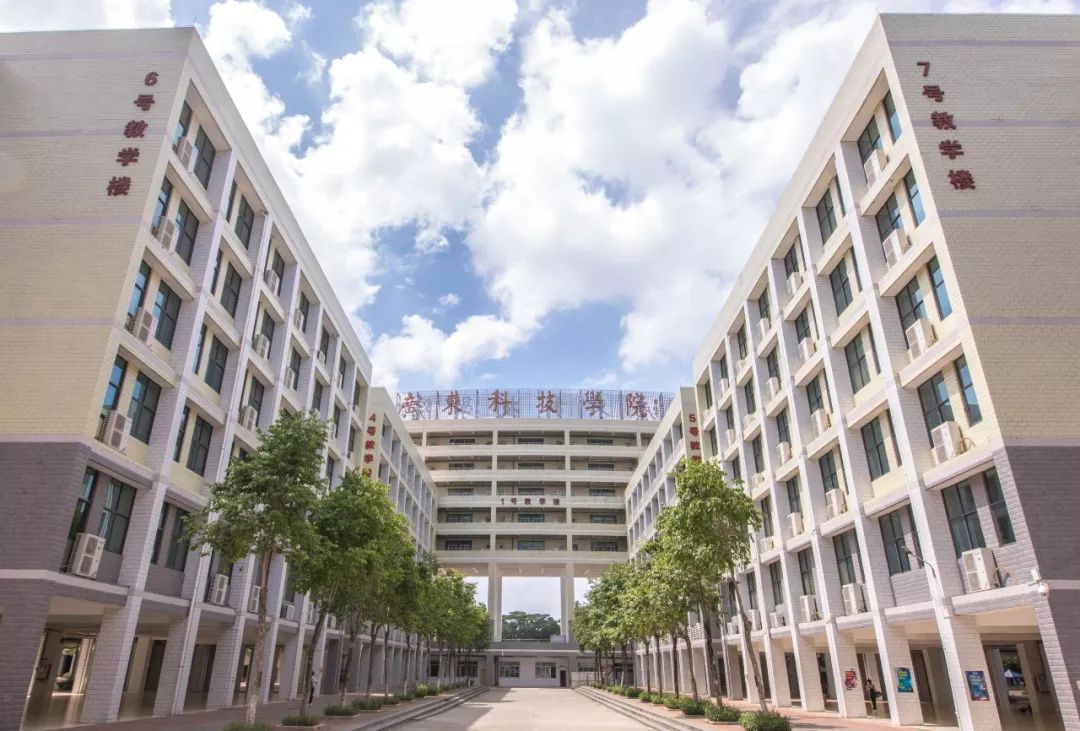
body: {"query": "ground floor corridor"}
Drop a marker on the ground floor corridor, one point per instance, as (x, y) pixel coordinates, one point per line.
(527, 709)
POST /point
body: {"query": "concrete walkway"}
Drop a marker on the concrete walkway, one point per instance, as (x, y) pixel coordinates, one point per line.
(527, 709)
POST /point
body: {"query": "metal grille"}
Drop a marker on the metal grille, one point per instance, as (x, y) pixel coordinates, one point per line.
(532, 403)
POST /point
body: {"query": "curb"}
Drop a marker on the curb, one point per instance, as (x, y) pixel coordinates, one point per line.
(442, 703)
(640, 715)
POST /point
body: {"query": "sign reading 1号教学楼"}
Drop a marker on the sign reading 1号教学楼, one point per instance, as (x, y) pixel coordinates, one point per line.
(903, 680)
(977, 689)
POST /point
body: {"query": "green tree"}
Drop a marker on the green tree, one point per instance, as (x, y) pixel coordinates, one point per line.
(262, 508)
(525, 626)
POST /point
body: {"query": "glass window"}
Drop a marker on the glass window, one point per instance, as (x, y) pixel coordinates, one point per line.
(707, 389)
(826, 216)
(324, 344)
(877, 457)
(806, 571)
(847, 553)
(765, 508)
(869, 140)
(776, 578)
(751, 589)
(217, 272)
(1002, 522)
(759, 458)
(187, 228)
(815, 399)
(82, 504)
(791, 259)
(509, 670)
(530, 518)
(830, 472)
(216, 364)
(267, 327)
(200, 446)
(116, 384)
(197, 361)
(934, 397)
(245, 222)
(963, 518)
(167, 311)
(803, 328)
(255, 395)
(115, 515)
(545, 670)
(783, 431)
(888, 218)
(894, 119)
(143, 408)
(748, 394)
(711, 435)
(304, 306)
(161, 205)
(910, 305)
(530, 545)
(317, 396)
(602, 518)
(763, 305)
(858, 368)
(914, 198)
(794, 496)
(723, 367)
(740, 340)
(181, 433)
(458, 545)
(204, 154)
(772, 364)
(176, 558)
(138, 294)
(459, 518)
(892, 534)
(230, 295)
(736, 470)
(232, 199)
(967, 390)
(729, 417)
(941, 294)
(181, 124)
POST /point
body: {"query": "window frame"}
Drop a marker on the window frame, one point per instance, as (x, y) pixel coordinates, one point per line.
(142, 410)
(199, 450)
(826, 215)
(962, 512)
(116, 515)
(892, 536)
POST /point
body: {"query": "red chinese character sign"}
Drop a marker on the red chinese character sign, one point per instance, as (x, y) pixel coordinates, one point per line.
(547, 403)
(532, 404)
(592, 403)
(961, 179)
(120, 185)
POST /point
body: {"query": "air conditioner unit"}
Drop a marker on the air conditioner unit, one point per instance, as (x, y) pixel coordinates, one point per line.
(820, 421)
(321, 357)
(755, 620)
(766, 544)
(332, 622)
(980, 570)
(795, 523)
(733, 627)
(724, 383)
(143, 324)
(809, 607)
(894, 246)
(748, 421)
(291, 377)
(356, 408)
(783, 452)
(920, 336)
(741, 364)
(778, 617)
(261, 345)
(273, 281)
(794, 281)
(253, 600)
(947, 441)
(219, 589)
(116, 430)
(854, 600)
(248, 417)
(183, 151)
(298, 320)
(760, 479)
(290, 612)
(763, 326)
(835, 503)
(874, 165)
(166, 234)
(807, 348)
(729, 435)
(772, 387)
(86, 555)
(309, 615)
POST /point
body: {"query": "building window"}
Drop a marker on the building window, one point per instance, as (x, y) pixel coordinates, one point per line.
(216, 363)
(304, 307)
(941, 294)
(772, 364)
(759, 458)
(858, 368)
(530, 518)
(794, 498)
(317, 396)
(458, 545)
(167, 311)
(967, 391)
(713, 443)
(143, 408)
(116, 384)
(826, 216)
(888, 218)
(277, 265)
(204, 154)
(462, 441)
(180, 434)
(599, 442)
(934, 397)
(255, 396)
(910, 305)
(604, 546)
(115, 515)
(459, 518)
(245, 222)
(763, 305)
(877, 457)
(545, 670)
(176, 558)
(748, 395)
(707, 389)
(815, 396)
(806, 571)
(197, 361)
(791, 259)
(830, 471)
(803, 329)
(963, 518)
(530, 545)
(232, 199)
(736, 470)
(138, 294)
(200, 446)
(729, 417)
(230, 293)
(776, 578)
(894, 119)
(869, 140)
(267, 327)
(324, 344)
(1002, 522)
(847, 553)
(740, 341)
(181, 125)
(783, 431)
(509, 670)
(914, 197)
(765, 508)
(161, 205)
(896, 551)
(82, 504)
(187, 227)
(602, 518)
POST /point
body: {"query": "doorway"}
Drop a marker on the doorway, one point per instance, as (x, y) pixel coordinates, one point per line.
(562, 678)
(153, 667)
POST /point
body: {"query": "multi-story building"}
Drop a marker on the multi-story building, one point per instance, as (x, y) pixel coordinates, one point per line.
(161, 304)
(889, 378)
(530, 483)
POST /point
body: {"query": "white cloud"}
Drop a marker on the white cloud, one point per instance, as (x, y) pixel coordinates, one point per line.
(449, 42)
(450, 299)
(21, 15)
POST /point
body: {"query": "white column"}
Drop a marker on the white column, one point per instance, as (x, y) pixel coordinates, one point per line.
(567, 595)
(495, 601)
(844, 660)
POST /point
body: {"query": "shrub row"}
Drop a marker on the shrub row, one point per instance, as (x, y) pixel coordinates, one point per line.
(749, 720)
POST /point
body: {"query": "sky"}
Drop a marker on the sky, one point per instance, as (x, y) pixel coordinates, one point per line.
(544, 193)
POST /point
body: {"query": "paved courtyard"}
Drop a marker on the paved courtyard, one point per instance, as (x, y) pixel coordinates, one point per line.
(527, 709)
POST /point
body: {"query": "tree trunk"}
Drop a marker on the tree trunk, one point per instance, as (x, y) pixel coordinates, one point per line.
(309, 654)
(442, 664)
(752, 659)
(596, 670)
(386, 661)
(255, 671)
(675, 661)
(690, 656)
(624, 663)
(660, 663)
(373, 635)
(710, 655)
(406, 664)
(648, 668)
(348, 659)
